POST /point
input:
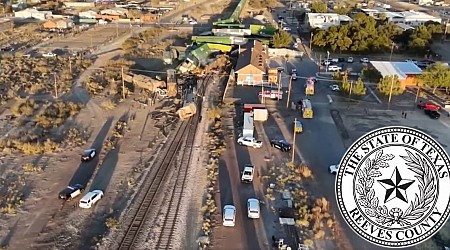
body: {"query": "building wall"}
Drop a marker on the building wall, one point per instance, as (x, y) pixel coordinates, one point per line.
(49, 25)
(108, 17)
(409, 81)
(250, 75)
(80, 4)
(6, 25)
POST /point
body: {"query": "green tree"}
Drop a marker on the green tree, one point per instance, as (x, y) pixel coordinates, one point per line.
(342, 10)
(281, 39)
(319, 7)
(390, 84)
(358, 87)
(371, 74)
(436, 76)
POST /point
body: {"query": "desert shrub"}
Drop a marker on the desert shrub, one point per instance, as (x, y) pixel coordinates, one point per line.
(75, 137)
(11, 193)
(108, 104)
(26, 107)
(31, 168)
(111, 223)
(57, 113)
(29, 148)
(214, 113)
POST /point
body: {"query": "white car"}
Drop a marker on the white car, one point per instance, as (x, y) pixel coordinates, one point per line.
(91, 198)
(49, 54)
(364, 60)
(229, 216)
(192, 22)
(326, 62)
(286, 29)
(350, 60)
(335, 87)
(334, 68)
(333, 169)
(249, 142)
(411, 60)
(253, 210)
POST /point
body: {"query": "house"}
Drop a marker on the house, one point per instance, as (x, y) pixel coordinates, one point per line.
(413, 18)
(406, 72)
(6, 24)
(115, 12)
(325, 20)
(88, 14)
(58, 24)
(33, 13)
(109, 18)
(251, 64)
(149, 18)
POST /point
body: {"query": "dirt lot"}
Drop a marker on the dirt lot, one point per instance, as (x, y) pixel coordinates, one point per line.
(94, 37)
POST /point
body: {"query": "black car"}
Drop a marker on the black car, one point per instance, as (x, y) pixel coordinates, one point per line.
(88, 154)
(71, 192)
(281, 145)
(433, 114)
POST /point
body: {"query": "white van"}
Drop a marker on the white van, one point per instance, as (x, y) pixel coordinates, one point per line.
(253, 210)
(91, 198)
(229, 216)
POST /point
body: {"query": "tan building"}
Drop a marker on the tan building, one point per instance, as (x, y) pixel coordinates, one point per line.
(58, 24)
(251, 64)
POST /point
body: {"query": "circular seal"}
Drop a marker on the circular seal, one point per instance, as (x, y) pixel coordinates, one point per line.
(392, 187)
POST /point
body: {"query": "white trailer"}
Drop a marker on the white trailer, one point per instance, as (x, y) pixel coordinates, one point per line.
(247, 130)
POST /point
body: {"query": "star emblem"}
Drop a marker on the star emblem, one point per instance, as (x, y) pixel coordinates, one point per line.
(396, 187)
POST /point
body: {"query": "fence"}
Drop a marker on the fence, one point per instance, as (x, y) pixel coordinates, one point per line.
(285, 52)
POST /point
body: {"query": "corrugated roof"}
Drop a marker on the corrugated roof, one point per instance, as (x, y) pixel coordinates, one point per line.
(255, 55)
(400, 69)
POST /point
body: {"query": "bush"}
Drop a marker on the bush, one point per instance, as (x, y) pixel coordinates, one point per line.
(31, 168)
(26, 107)
(57, 113)
(11, 193)
(29, 148)
(111, 223)
(108, 104)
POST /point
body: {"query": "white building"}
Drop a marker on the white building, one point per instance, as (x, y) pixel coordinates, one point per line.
(325, 20)
(425, 2)
(412, 18)
(33, 13)
(115, 12)
(88, 14)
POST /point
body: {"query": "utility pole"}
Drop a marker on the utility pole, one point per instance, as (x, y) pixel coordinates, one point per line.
(123, 86)
(70, 65)
(117, 29)
(328, 61)
(56, 86)
(279, 85)
(262, 93)
(310, 41)
(390, 92)
(293, 143)
(289, 93)
(320, 61)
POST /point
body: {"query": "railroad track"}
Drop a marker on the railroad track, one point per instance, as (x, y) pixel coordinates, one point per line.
(184, 134)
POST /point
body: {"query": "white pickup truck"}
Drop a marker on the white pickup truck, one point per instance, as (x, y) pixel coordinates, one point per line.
(247, 174)
(249, 142)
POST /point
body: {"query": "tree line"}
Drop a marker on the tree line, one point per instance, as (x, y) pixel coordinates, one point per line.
(365, 34)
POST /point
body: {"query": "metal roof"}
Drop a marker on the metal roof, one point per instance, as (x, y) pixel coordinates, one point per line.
(401, 69)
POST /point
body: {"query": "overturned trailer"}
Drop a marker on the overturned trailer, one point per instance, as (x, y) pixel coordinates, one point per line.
(187, 111)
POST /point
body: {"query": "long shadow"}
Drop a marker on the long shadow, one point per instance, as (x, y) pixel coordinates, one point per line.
(226, 196)
(5, 241)
(86, 169)
(106, 170)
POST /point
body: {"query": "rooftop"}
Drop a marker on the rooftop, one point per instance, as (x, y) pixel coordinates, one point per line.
(400, 69)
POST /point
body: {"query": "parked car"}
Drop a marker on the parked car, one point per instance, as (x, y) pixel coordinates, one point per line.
(326, 62)
(229, 216)
(334, 60)
(281, 145)
(350, 60)
(88, 154)
(294, 76)
(364, 60)
(90, 199)
(334, 68)
(253, 209)
(333, 169)
(335, 87)
(71, 192)
(433, 114)
(249, 142)
(286, 29)
(411, 60)
(428, 105)
(341, 59)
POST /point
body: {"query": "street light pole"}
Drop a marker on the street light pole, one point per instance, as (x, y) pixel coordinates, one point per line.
(351, 88)
(293, 143)
(390, 93)
(289, 93)
(56, 86)
(310, 41)
(392, 51)
(328, 61)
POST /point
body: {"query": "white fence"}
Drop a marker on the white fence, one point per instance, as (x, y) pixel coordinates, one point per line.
(284, 52)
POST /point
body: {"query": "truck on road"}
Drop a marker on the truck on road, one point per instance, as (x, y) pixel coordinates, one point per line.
(307, 110)
(249, 142)
(309, 87)
(247, 174)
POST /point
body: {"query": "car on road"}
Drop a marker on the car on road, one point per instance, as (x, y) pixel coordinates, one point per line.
(433, 114)
(428, 105)
(281, 145)
(247, 174)
(333, 169)
(350, 60)
(49, 54)
(286, 29)
(249, 142)
(90, 199)
(229, 216)
(71, 192)
(89, 154)
(253, 209)
(326, 62)
(335, 87)
(294, 76)
(334, 68)
(364, 60)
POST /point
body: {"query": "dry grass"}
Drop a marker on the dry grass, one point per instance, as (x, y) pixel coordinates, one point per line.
(111, 223)
(11, 193)
(57, 113)
(24, 107)
(29, 76)
(138, 46)
(108, 104)
(108, 81)
(31, 168)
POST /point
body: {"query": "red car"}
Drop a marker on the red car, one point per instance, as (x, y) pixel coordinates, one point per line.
(429, 105)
